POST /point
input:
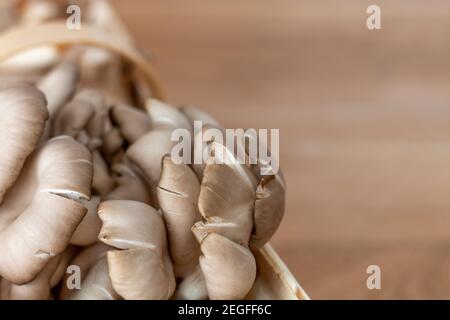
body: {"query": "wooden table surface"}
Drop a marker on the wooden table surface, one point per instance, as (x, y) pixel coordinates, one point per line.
(364, 118)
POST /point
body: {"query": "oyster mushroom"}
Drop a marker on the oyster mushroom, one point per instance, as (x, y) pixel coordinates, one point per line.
(24, 113)
(148, 151)
(178, 191)
(95, 284)
(41, 211)
(133, 123)
(226, 203)
(40, 287)
(141, 267)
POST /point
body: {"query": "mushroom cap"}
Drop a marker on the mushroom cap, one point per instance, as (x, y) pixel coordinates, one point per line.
(129, 186)
(86, 260)
(196, 114)
(192, 287)
(229, 269)
(97, 284)
(87, 231)
(73, 118)
(40, 213)
(178, 192)
(142, 268)
(24, 112)
(227, 196)
(133, 123)
(147, 152)
(269, 209)
(59, 85)
(165, 116)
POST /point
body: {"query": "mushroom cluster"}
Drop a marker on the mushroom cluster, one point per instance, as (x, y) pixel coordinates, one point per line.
(92, 205)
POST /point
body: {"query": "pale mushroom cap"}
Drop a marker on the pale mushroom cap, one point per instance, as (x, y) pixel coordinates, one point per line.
(196, 114)
(141, 274)
(163, 115)
(193, 287)
(147, 153)
(96, 284)
(59, 85)
(41, 222)
(23, 115)
(129, 186)
(133, 123)
(178, 192)
(73, 118)
(228, 193)
(85, 261)
(131, 224)
(269, 210)
(87, 231)
(102, 182)
(142, 269)
(229, 269)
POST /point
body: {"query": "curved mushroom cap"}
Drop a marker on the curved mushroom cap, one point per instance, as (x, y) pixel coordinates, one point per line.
(227, 196)
(178, 192)
(87, 231)
(31, 61)
(129, 186)
(133, 123)
(229, 268)
(41, 212)
(59, 85)
(269, 209)
(97, 284)
(193, 287)
(40, 287)
(142, 268)
(165, 116)
(147, 153)
(23, 115)
(102, 182)
(73, 118)
(87, 260)
(196, 114)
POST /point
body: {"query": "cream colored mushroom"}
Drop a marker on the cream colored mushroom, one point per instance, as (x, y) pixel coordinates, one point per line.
(141, 268)
(87, 231)
(95, 281)
(229, 268)
(178, 192)
(148, 151)
(133, 123)
(40, 213)
(130, 185)
(59, 85)
(23, 110)
(40, 287)
(226, 203)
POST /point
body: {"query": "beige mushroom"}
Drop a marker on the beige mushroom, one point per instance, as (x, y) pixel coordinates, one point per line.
(229, 268)
(95, 281)
(178, 192)
(40, 213)
(130, 185)
(148, 151)
(87, 231)
(59, 85)
(40, 287)
(141, 269)
(132, 122)
(22, 122)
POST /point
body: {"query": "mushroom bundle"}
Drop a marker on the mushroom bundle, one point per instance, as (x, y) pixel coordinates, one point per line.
(93, 206)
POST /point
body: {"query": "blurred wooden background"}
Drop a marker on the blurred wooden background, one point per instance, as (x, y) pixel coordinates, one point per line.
(364, 118)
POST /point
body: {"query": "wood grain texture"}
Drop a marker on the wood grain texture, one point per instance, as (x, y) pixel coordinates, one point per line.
(364, 119)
